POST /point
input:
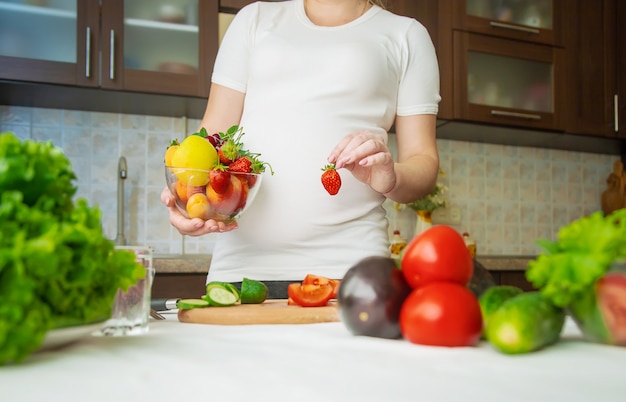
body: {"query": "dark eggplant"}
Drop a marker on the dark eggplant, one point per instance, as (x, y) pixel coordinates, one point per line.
(370, 297)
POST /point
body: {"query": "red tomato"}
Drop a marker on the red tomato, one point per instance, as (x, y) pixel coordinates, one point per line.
(441, 314)
(310, 295)
(438, 254)
(311, 279)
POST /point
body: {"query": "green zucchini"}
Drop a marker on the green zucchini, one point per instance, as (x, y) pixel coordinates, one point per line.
(525, 323)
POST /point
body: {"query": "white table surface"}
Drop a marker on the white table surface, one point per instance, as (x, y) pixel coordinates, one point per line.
(308, 362)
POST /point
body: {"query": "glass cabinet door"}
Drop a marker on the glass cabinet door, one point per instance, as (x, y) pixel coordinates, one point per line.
(531, 13)
(518, 83)
(529, 20)
(39, 29)
(159, 46)
(161, 35)
(507, 82)
(51, 41)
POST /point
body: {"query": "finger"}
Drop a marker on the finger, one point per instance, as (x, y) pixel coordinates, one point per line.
(166, 197)
(339, 148)
(361, 150)
(377, 159)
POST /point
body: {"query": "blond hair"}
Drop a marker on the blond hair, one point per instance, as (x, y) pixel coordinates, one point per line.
(379, 3)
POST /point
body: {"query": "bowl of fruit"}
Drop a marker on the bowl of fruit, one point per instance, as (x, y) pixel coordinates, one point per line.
(212, 176)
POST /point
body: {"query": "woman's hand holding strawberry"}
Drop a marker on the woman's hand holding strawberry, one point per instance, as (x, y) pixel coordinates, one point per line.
(368, 158)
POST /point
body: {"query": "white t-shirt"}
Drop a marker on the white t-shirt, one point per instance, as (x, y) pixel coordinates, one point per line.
(307, 87)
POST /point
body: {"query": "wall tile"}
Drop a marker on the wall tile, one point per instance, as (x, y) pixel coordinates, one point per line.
(508, 196)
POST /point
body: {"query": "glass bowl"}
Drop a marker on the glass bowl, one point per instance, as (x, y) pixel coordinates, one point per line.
(218, 195)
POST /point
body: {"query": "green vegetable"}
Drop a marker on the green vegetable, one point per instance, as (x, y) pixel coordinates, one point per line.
(585, 249)
(491, 300)
(525, 323)
(253, 291)
(221, 294)
(56, 266)
(186, 304)
(226, 285)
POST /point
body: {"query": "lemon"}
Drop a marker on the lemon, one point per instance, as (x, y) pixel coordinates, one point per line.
(253, 292)
(195, 152)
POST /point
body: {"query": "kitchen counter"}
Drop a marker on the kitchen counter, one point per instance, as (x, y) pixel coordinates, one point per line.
(190, 264)
(308, 362)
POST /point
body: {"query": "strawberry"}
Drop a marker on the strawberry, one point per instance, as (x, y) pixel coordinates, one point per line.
(241, 165)
(331, 179)
(219, 179)
(226, 159)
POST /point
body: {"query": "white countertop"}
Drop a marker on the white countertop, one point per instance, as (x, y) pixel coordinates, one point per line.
(308, 362)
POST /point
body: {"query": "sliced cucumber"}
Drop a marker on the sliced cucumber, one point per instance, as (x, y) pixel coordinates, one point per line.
(220, 296)
(185, 304)
(228, 286)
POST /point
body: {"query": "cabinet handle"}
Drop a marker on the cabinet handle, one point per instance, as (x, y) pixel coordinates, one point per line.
(526, 116)
(88, 53)
(616, 112)
(496, 24)
(112, 55)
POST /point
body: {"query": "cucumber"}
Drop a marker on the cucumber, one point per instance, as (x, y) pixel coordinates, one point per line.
(220, 296)
(226, 285)
(525, 323)
(186, 304)
(491, 300)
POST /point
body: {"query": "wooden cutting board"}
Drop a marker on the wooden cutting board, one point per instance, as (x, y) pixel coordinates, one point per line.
(269, 312)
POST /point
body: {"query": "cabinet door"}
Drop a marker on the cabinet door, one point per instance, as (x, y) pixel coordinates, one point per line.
(507, 82)
(591, 44)
(536, 21)
(165, 47)
(51, 42)
(620, 97)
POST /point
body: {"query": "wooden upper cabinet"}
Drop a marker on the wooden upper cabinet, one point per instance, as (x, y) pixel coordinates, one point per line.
(591, 32)
(127, 45)
(620, 107)
(537, 21)
(54, 43)
(499, 63)
(158, 47)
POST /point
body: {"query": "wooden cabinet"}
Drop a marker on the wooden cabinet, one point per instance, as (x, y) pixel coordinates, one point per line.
(506, 82)
(54, 44)
(596, 64)
(501, 62)
(536, 21)
(620, 63)
(512, 278)
(124, 45)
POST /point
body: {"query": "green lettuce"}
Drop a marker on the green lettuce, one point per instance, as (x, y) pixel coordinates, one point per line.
(56, 266)
(584, 252)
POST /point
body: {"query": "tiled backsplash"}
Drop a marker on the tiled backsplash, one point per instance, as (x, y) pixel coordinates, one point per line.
(508, 196)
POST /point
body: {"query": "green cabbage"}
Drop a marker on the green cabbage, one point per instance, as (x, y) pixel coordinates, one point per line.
(57, 268)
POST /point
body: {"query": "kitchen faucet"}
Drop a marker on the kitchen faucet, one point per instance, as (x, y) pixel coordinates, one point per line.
(122, 173)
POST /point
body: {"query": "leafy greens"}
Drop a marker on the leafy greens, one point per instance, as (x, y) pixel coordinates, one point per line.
(583, 253)
(56, 266)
